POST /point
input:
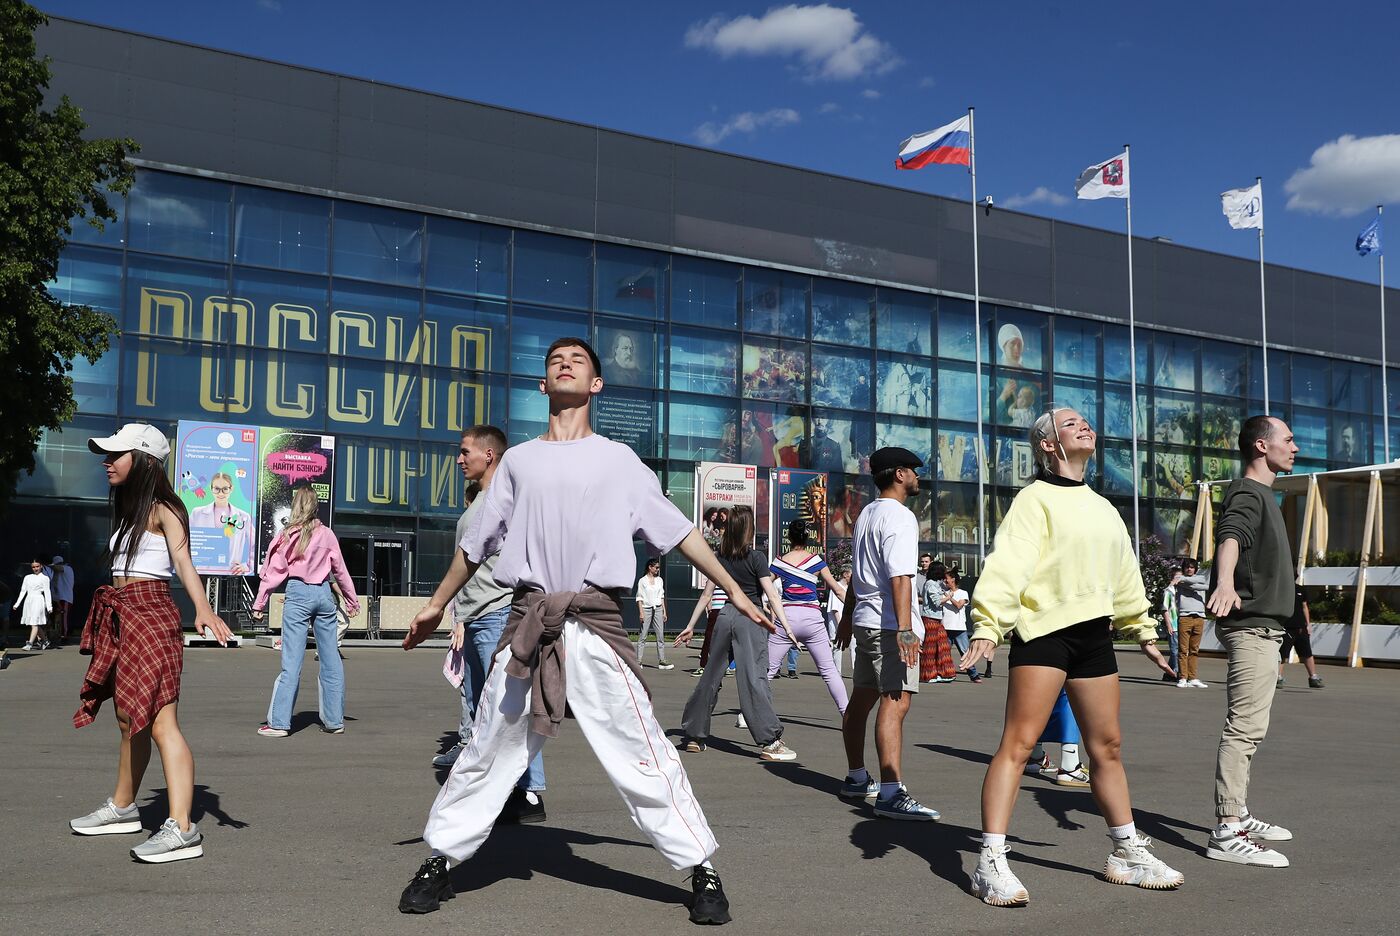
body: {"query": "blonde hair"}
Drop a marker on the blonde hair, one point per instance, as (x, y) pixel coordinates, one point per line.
(304, 520)
(1043, 429)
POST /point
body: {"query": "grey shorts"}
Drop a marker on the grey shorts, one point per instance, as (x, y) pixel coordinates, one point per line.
(878, 665)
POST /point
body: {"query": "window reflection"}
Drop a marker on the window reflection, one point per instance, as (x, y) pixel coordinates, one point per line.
(704, 292)
(775, 303)
(841, 378)
(631, 281)
(466, 257)
(903, 322)
(704, 430)
(842, 312)
(1076, 346)
(703, 362)
(182, 215)
(286, 230)
(553, 270)
(381, 244)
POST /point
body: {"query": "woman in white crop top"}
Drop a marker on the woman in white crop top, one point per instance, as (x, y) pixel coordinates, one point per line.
(136, 640)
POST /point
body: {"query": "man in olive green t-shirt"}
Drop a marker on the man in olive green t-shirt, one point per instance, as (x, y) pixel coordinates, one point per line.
(1251, 598)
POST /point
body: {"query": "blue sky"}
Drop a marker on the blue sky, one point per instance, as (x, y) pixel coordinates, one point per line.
(1208, 94)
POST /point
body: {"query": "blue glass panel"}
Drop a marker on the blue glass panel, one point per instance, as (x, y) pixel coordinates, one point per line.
(553, 270)
(1076, 346)
(775, 303)
(1115, 353)
(704, 292)
(381, 244)
(171, 380)
(471, 333)
(174, 299)
(378, 476)
(180, 215)
(842, 312)
(286, 230)
(1351, 386)
(532, 331)
(703, 362)
(958, 453)
(1080, 395)
(1175, 472)
(1223, 368)
(1311, 380)
(378, 322)
(904, 385)
(64, 467)
(112, 233)
(913, 434)
(775, 370)
(704, 429)
(631, 281)
(841, 378)
(466, 257)
(957, 393)
(289, 309)
(1117, 412)
(93, 278)
(529, 410)
(955, 520)
(771, 435)
(383, 397)
(455, 400)
(1220, 423)
(904, 322)
(1174, 361)
(290, 390)
(629, 351)
(955, 326)
(1118, 469)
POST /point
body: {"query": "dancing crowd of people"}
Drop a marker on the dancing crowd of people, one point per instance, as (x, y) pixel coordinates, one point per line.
(533, 599)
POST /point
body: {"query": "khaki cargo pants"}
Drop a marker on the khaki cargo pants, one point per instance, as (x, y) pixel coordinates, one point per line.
(1249, 694)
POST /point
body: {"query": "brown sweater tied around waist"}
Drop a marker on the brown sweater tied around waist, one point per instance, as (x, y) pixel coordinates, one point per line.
(534, 633)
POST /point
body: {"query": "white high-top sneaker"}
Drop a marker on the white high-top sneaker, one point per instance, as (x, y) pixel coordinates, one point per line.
(994, 883)
(1132, 862)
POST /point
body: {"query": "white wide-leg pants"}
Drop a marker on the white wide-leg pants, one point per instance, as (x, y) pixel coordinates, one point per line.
(614, 712)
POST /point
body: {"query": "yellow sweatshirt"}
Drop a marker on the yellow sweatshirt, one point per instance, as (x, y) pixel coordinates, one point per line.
(1061, 556)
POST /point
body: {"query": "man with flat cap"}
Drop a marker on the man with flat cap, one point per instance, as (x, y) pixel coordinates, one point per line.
(879, 611)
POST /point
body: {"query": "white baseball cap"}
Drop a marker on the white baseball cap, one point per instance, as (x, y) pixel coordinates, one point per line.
(133, 437)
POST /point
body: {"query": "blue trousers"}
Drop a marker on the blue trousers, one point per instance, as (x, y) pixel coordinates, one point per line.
(308, 607)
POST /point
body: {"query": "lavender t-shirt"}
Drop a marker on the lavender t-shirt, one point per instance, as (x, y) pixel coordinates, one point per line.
(563, 516)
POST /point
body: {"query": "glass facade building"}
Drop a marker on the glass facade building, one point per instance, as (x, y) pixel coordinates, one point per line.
(393, 329)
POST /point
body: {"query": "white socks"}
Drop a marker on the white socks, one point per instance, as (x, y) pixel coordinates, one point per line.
(1069, 757)
(1122, 832)
(992, 840)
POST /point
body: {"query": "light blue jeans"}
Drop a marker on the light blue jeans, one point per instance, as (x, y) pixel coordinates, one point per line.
(959, 639)
(308, 606)
(482, 637)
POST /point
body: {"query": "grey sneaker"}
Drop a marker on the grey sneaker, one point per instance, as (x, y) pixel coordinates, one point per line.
(904, 806)
(108, 820)
(170, 844)
(449, 757)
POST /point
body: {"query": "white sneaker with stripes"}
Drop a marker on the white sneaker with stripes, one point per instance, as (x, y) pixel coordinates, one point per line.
(1265, 831)
(1236, 846)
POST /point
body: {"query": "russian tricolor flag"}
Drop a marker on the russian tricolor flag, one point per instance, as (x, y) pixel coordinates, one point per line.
(949, 144)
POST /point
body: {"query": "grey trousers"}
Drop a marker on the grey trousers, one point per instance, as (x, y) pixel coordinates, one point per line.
(652, 618)
(750, 645)
(1250, 681)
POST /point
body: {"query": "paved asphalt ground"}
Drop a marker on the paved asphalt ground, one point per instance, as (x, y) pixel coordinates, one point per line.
(318, 833)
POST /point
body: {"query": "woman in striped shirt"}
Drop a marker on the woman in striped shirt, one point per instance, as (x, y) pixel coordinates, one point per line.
(798, 572)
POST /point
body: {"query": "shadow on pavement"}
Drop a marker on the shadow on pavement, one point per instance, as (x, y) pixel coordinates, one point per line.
(206, 802)
(976, 757)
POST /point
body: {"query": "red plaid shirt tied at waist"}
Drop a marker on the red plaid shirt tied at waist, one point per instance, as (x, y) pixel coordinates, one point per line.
(137, 646)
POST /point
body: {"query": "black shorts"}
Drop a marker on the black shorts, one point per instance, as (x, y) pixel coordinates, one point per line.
(1083, 651)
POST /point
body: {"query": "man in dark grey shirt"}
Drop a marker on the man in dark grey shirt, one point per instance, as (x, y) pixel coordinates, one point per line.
(1251, 598)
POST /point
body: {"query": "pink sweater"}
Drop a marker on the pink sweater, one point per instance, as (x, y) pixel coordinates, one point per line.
(321, 559)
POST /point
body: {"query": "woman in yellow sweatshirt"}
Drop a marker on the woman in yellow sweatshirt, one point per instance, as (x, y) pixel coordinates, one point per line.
(1061, 575)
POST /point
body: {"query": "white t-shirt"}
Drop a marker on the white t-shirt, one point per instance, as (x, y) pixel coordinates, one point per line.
(563, 516)
(955, 620)
(885, 545)
(651, 592)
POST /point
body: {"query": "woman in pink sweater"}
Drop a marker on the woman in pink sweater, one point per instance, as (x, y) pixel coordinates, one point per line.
(306, 555)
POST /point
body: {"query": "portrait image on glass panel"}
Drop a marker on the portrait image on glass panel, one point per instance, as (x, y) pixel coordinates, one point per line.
(775, 372)
(841, 378)
(770, 435)
(628, 355)
(1019, 339)
(846, 500)
(1348, 439)
(1017, 402)
(1219, 467)
(905, 386)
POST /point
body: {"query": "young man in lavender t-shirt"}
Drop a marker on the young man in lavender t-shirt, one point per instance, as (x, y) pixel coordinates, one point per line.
(562, 511)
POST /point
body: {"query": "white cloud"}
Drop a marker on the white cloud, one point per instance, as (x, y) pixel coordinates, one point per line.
(273, 5)
(830, 41)
(870, 94)
(711, 133)
(830, 107)
(1348, 176)
(1041, 196)
(927, 82)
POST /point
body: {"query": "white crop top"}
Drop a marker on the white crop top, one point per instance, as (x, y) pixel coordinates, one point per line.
(149, 559)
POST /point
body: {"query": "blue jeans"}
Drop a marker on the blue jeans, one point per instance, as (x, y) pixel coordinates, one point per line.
(308, 606)
(960, 640)
(1175, 659)
(791, 660)
(482, 637)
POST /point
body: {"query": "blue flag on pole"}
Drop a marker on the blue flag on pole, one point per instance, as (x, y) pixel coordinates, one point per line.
(1369, 240)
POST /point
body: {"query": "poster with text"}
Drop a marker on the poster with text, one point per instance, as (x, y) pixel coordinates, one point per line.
(287, 457)
(720, 487)
(798, 495)
(216, 477)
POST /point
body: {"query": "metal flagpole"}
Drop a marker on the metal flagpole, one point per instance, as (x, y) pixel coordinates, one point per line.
(1385, 387)
(1263, 318)
(1132, 360)
(977, 342)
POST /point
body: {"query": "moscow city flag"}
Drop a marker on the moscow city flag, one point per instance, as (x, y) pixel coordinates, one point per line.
(1107, 179)
(950, 144)
(1369, 241)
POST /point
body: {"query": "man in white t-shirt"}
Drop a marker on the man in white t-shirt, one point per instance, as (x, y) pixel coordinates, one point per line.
(882, 614)
(651, 607)
(955, 615)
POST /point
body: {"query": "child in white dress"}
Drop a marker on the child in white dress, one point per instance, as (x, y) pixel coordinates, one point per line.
(37, 604)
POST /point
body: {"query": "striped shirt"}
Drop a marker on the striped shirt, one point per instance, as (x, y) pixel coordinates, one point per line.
(799, 582)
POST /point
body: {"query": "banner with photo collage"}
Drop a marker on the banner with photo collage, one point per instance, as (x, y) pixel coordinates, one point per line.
(720, 487)
(215, 477)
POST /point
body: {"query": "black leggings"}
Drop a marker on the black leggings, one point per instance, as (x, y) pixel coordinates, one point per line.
(1298, 639)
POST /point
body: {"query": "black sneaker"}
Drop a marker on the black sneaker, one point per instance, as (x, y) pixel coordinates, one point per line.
(518, 809)
(428, 889)
(1314, 682)
(708, 905)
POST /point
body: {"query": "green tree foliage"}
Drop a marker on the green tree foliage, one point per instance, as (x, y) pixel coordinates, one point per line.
(49, 174)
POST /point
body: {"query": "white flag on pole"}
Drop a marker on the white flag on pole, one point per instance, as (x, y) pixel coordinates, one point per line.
(1105, 180)
(1244, 207)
